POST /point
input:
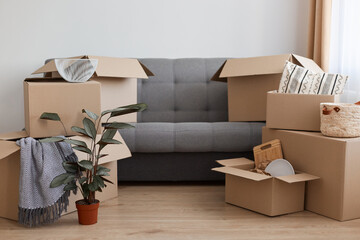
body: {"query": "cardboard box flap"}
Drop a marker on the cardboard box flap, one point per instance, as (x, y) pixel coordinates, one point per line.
(115, 151)
(242, 173)
(108, 67)
(308, 63)
(119, 67)
(299, 177)
(254, 66)
(216, 76)
(13, 135)
(147, 71)
(236, 162)
(7, 148)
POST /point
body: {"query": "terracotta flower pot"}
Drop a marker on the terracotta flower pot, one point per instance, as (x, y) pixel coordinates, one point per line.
(87, 213)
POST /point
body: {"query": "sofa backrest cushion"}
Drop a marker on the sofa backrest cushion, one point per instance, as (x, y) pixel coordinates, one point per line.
(181, 91)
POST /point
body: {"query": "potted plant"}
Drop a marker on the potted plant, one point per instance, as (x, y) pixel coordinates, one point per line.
(86, 174)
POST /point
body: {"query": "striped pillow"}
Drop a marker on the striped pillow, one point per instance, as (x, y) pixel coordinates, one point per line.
(299, 80)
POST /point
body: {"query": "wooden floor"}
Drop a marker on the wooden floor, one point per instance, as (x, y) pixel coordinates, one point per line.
(183, 212)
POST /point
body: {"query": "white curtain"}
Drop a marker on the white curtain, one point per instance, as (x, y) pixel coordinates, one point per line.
(345, 45)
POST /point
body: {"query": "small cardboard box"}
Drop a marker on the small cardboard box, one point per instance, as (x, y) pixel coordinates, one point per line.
(334, 160)
(295, 111)
(10, 166)
(249, 80)
(268, 195)
(66, 99)
(118, 78)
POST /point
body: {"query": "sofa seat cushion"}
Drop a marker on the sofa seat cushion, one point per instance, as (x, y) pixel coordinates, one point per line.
(193, 137)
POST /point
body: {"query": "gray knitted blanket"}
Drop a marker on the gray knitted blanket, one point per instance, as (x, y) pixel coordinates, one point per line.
(40, 163)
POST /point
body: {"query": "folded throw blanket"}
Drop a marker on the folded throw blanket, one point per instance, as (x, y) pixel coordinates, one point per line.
(40, 164)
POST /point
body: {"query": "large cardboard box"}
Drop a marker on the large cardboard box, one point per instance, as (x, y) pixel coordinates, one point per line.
(295, 111)
(268, 195)
(66, 99)
(334, 160)
(10, 171)
(249, 80)
(118, 78)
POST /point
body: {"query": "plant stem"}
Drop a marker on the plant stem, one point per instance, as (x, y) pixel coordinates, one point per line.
(64, 128)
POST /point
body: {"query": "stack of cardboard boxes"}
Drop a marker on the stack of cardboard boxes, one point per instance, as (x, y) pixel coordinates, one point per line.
(294, 119)
(114, 84)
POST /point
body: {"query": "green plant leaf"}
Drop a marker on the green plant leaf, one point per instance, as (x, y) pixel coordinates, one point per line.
(51, 140)
(85, 189)
(109, 133)
(108, 141)
(91, 114)
(89, 127)
(70, 178)
(76, 142)
(59, 180)
(102, 155)
(70, 168)
(106, 180)
(99, 181)
(102, 171)
(139, 107)
(79, 130)
(118, 125)
(82, 149)
(82, 180)
(93, 186)
(86, 164)
(70, 186)
(50, 116)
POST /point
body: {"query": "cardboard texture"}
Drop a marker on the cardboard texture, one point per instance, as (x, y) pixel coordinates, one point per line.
(118, 78)
(334, 160)
(249, 80)
(268, 195)
(10, 165)
(295, 111)
(66, 99)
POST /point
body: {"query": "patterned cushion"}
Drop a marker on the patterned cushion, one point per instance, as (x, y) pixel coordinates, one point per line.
(296, 79)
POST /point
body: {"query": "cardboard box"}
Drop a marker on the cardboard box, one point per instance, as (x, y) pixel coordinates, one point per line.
(249, 80)
(268, 195)
(334, 160)
(295, 111)
(10, 166)
(66, 99)
(118, 78)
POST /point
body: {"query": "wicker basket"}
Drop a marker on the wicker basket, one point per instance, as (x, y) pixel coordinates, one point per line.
(340, 119)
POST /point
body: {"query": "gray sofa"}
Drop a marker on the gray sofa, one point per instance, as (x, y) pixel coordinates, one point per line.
(185, 128)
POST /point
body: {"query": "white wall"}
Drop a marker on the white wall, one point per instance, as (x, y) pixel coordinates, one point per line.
(31, 31)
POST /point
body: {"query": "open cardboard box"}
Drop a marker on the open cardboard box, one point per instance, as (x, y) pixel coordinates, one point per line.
(335, 160)
(249, 80)
(58, 96)
(118, 78)
(295, 111)
(268, 195)
(10, 166)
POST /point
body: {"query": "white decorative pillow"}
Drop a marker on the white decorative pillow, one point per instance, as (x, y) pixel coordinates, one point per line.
(299, 80)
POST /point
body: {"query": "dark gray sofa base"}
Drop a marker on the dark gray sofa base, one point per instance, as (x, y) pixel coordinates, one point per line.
(174, 166)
